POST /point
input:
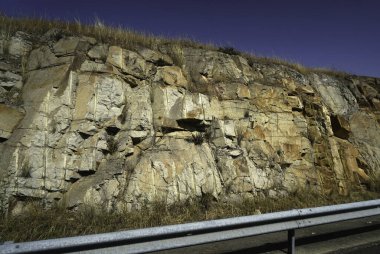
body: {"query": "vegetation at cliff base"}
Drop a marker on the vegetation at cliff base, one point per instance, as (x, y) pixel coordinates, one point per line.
(38, 223)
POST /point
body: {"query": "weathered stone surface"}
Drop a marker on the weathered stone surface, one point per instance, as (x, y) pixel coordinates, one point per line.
(40, 82)
(244, 67)
(97, 190)
(99, 52)
(175, 104)
(336, 95)
(9, 79)
(130, 62)
(272, 99)
(365, 128)
(350, 155)
(116, 128)
(170, 75)
(137, 116)
(19, 44)
(5, 66)
(9, 119)
(208, 66)
(155, 57)
(43, 57)
(99, 98)
(69, 45)
(365, 137)
(90, 66)
(175, 172)
(368, 91)
(376, 104)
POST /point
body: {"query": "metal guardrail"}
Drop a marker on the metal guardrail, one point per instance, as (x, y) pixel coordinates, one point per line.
(190, 234)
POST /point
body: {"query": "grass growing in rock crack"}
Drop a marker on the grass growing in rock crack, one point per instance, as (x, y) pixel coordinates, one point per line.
(37, 223)
(198, 138)
(25, 169)
(112, 144)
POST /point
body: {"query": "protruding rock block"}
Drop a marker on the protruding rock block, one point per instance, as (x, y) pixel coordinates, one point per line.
(10, 118)
(130, 62)
(171, 75)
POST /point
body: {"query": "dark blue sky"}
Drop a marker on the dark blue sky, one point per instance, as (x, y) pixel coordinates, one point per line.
(338, 34)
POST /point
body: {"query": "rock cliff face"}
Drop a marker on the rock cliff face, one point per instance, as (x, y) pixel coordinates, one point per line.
(83, 122)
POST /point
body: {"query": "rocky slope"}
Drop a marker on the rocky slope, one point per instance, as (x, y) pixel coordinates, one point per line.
(82, 122)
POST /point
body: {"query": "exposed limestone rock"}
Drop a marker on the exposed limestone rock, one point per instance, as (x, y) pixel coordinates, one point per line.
(84, 123)
(174, 171)
(10, 117)
(130, 62)
(41, 82)
(376, 104)
(89, 66)
(364, 135)
(170, 75)
(208, 66)
(175, 108)
(98, 52)
(43, 57)
(9, 79)
(155, 57)
(139, 114)
(368, 91)
(100, 189)
(69, 45)
(337, 96)
(19, 44)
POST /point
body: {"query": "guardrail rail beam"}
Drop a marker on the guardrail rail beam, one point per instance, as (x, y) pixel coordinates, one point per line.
(190, 234)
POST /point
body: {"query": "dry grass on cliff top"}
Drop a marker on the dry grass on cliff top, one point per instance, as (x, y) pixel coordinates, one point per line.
(38, 224)
(131, 39)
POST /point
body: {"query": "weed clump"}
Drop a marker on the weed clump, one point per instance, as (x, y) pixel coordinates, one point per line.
(112, 144)
(198, 138)
(25, 170)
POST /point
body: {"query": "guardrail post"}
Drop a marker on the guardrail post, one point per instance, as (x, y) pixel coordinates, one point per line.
(291, 241)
